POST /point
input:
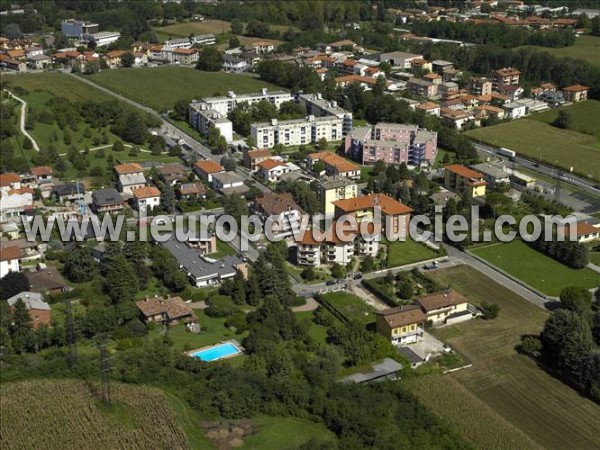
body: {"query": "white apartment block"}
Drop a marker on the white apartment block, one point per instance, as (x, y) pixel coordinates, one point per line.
(296, 131)
(202, 117)
(316, 105)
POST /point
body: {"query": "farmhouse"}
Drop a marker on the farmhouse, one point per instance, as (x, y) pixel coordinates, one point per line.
(38, 309)
(401, 325)
(445, 307)
(164, 310)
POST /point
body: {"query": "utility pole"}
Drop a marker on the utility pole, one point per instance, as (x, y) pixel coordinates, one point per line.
(71, 335)
(105, 373)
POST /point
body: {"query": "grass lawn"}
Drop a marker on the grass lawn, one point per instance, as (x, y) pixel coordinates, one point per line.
(223, 249)
(595, 258)
(536, 269)
(513, 385)
(407, 252)
(296, 271)
(586, 47)
(284, 433)
(351, 306)
(317, 332)
(160, 87)
(585, 116)
(538, 140)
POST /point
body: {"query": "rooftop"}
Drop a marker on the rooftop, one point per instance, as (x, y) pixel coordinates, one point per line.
(172, 308)
(402, 315)
(387, 204)
(463, 171)
(440, 300)
(33, 300)
(146, 192)
(127, 168)
(275, 204)
(209, 167)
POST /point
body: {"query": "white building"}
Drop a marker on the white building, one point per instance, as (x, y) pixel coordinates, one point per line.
(130, 176)
(296, 131)
(202, 117)
(102, 38)
(146, 198)
(316, 105)
(272, 170)
(281, 209)
(9, 260)
(228, 183)
(514, 110)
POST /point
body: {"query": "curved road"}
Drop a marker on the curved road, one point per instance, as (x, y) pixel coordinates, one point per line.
(23, 117)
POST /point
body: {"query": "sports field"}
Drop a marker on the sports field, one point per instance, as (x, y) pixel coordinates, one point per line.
(160, 87)
(535, 268)
(586, 47)
(538, 140)
(512, 385)
(584, 116)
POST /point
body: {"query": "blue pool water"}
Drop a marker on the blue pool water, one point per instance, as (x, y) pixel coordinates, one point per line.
(217, 352)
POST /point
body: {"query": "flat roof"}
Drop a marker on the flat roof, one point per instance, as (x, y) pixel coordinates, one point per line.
(380, 370)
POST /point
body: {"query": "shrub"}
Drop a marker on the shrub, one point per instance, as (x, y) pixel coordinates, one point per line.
(490, 310)
(220, 306)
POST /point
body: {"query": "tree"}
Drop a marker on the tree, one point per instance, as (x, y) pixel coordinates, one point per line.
(235, 206)
(210, 60)
(134, 129)
(308, 273)
(234, 42)
(220, 306)
(564, 119)
(121, 281)
(318, 167)
(338, 271)
(135, 151)
(167, 199)
(595, 30)
(118, 146)
(405, 289)
(253, 295)
(490, 310)
(237, 27)
(12, 284)
(368, 264)
(322, 144)
(127, 60)
(578, 300)
(27, 144)
(23, 338)
(12, 31)
(80, 266)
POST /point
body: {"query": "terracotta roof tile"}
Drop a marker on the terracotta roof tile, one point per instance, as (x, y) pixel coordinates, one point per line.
(403, 315)
(209, 166)
(10, 253)
(126, 168)
(388, 205)
(441, 299)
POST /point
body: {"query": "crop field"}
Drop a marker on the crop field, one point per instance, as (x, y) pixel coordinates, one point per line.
(160, 87)
(585, 116)
(540, 141)
(66, 414)
(351, 306)
(586, 47)
(207, 27)
(548, 411)
(535, 268)
(475, 420)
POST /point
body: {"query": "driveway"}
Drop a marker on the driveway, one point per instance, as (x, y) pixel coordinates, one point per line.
(428, 347)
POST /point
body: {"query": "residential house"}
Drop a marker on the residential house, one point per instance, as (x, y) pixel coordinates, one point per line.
(448, 90)
(201, 270)
(456, 118)
(345, 44)
(207, 169)
(494, 174)
(445, 307)
(575, 93)
(253, 157)
(395, 216)
(586, 232)
(461, 179)
(38, 309)
(189, 191)
(228, 183)
(9, 181)
(113, 58)
(42, 174)
(543, 88)
(272, 170)
(14, 202)
(38, 62)
(439, 65)
(173, 173)
(480, 86)
(46, 281)
(512, 91)
(170, 310)
(514, 110)
(401, 325)
(146, 198)
(9, 260)
(331, 190)
(259, 47)
(504, 77)
(334, 165)
(422, 88)
(429, 108)
(186, 56)
(232, 63)
(69, 192)
(107, 200)
(488, 111)
(130, 176)
(281, 209)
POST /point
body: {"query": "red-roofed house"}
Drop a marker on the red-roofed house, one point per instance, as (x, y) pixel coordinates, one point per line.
(147, 197)
(9, 260)
(206, 169)
(462, 179)
(334, 165)
(272, 170)
(575, 93)
(130, 176)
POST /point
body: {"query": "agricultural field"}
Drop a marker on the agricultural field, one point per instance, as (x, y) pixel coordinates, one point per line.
(351, 306)
(584, 115)
(400, 253)
(540, 141)
(536, 269)
(475, 420)
(160, 87)
(586, 47)
(215, 27)
(67, 414)
(548, 411)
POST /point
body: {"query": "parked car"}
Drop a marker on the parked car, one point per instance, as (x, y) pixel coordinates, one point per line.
(358, 276)
(331, 282)
(430, 266)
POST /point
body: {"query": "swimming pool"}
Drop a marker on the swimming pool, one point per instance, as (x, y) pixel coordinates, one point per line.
(220, 351)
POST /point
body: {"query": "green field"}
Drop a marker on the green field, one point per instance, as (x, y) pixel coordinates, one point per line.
(595, 258)
(586, 47)
(160, 87)
(408, 252)
(351, 306)
(284, 433)
(536, 269)
(585, 116)
(540, 141)
(550, 412)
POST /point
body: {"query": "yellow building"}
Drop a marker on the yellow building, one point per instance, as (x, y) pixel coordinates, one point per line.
(333, 190)
(401, 325)
(461, 179)
(445, 307)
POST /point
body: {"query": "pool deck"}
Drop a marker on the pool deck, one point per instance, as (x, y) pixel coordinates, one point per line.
(233, 342)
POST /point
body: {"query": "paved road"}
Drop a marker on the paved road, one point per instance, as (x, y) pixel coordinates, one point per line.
(23, 119)
(588, 186)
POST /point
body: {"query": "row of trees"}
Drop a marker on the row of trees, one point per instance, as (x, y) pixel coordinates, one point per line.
(570, 253)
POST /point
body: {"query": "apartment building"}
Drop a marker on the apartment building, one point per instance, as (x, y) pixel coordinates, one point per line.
(461, 179)
(202, 117)
(282, 209)
(296, 131)
(422, 88)
(480, 86)
(254, 157)
(330, 190)
(392, 143)
(505, 76)
(316, 105)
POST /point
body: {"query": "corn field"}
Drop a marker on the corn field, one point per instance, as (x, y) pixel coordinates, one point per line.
(475, 420)
(65, 414)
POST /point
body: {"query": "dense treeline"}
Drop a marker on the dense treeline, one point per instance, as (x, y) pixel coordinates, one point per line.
(570, 253)
(569, 341)
(498, 34)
